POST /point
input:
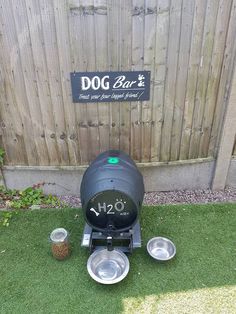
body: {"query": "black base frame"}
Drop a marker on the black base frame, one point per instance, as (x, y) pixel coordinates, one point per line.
(125, 241)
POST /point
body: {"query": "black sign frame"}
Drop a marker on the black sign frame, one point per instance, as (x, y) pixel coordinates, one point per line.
(110, 86)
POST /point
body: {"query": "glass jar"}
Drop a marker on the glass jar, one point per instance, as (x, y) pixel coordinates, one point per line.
(60, 243)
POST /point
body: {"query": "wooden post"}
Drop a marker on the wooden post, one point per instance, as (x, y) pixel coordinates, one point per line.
(227, 141)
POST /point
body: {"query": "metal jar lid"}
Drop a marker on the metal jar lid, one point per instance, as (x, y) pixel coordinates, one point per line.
(58, 235)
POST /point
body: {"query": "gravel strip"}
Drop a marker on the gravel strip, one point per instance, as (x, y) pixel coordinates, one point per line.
(190, 197)
(174, 197)
(71, 200)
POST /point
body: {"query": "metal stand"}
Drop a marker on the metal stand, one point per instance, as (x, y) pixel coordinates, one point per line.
(125, 241)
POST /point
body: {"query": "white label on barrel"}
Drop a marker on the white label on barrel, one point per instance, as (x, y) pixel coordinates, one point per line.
(110, 211)
(124, 214)
(102, 207)
(93, 210)
(119, 206)
(110, 208)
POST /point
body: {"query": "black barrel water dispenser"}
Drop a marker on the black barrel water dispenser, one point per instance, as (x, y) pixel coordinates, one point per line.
(112, 193)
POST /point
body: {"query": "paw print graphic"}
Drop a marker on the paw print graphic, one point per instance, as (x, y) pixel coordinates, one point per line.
(141, 77)
(141, 84)
(141, 80)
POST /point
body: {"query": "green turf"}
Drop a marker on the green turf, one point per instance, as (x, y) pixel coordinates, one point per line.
(31, 281)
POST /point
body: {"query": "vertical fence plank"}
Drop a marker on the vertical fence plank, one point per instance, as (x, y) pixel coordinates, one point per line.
(79, 63)
(102, 64)
(149, 64)
(113, 58)
(234, 150)
(172, 63)
(125, 65)
(225, 83)
(214, 75)
(194, 63)
(227, 140)
(9, 131)
(203, 76)
(31, 88)
(88, 31)
(41, 76)
(181, 79)
(3, 130)
(138, 11)
(54, 80)
(62, 36)
(15, 123)
(160, 70)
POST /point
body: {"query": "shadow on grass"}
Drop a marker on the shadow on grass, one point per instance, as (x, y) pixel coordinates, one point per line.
(33, 282)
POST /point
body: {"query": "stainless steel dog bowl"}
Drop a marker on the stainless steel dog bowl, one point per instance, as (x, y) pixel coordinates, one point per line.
(108, 267)
(161, 249)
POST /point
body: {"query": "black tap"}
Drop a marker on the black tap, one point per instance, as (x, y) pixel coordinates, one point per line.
(109, 243)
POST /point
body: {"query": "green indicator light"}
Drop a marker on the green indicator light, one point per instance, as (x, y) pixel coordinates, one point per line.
(113, 160)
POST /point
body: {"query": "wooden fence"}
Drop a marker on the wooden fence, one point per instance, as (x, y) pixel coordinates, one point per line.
(188, 45)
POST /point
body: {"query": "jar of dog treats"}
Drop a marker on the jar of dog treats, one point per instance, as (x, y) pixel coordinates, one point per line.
(60, 243)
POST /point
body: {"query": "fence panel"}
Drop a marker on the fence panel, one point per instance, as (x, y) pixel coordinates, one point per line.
(188, 46)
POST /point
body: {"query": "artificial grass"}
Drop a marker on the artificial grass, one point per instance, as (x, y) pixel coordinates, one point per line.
(31, 281)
